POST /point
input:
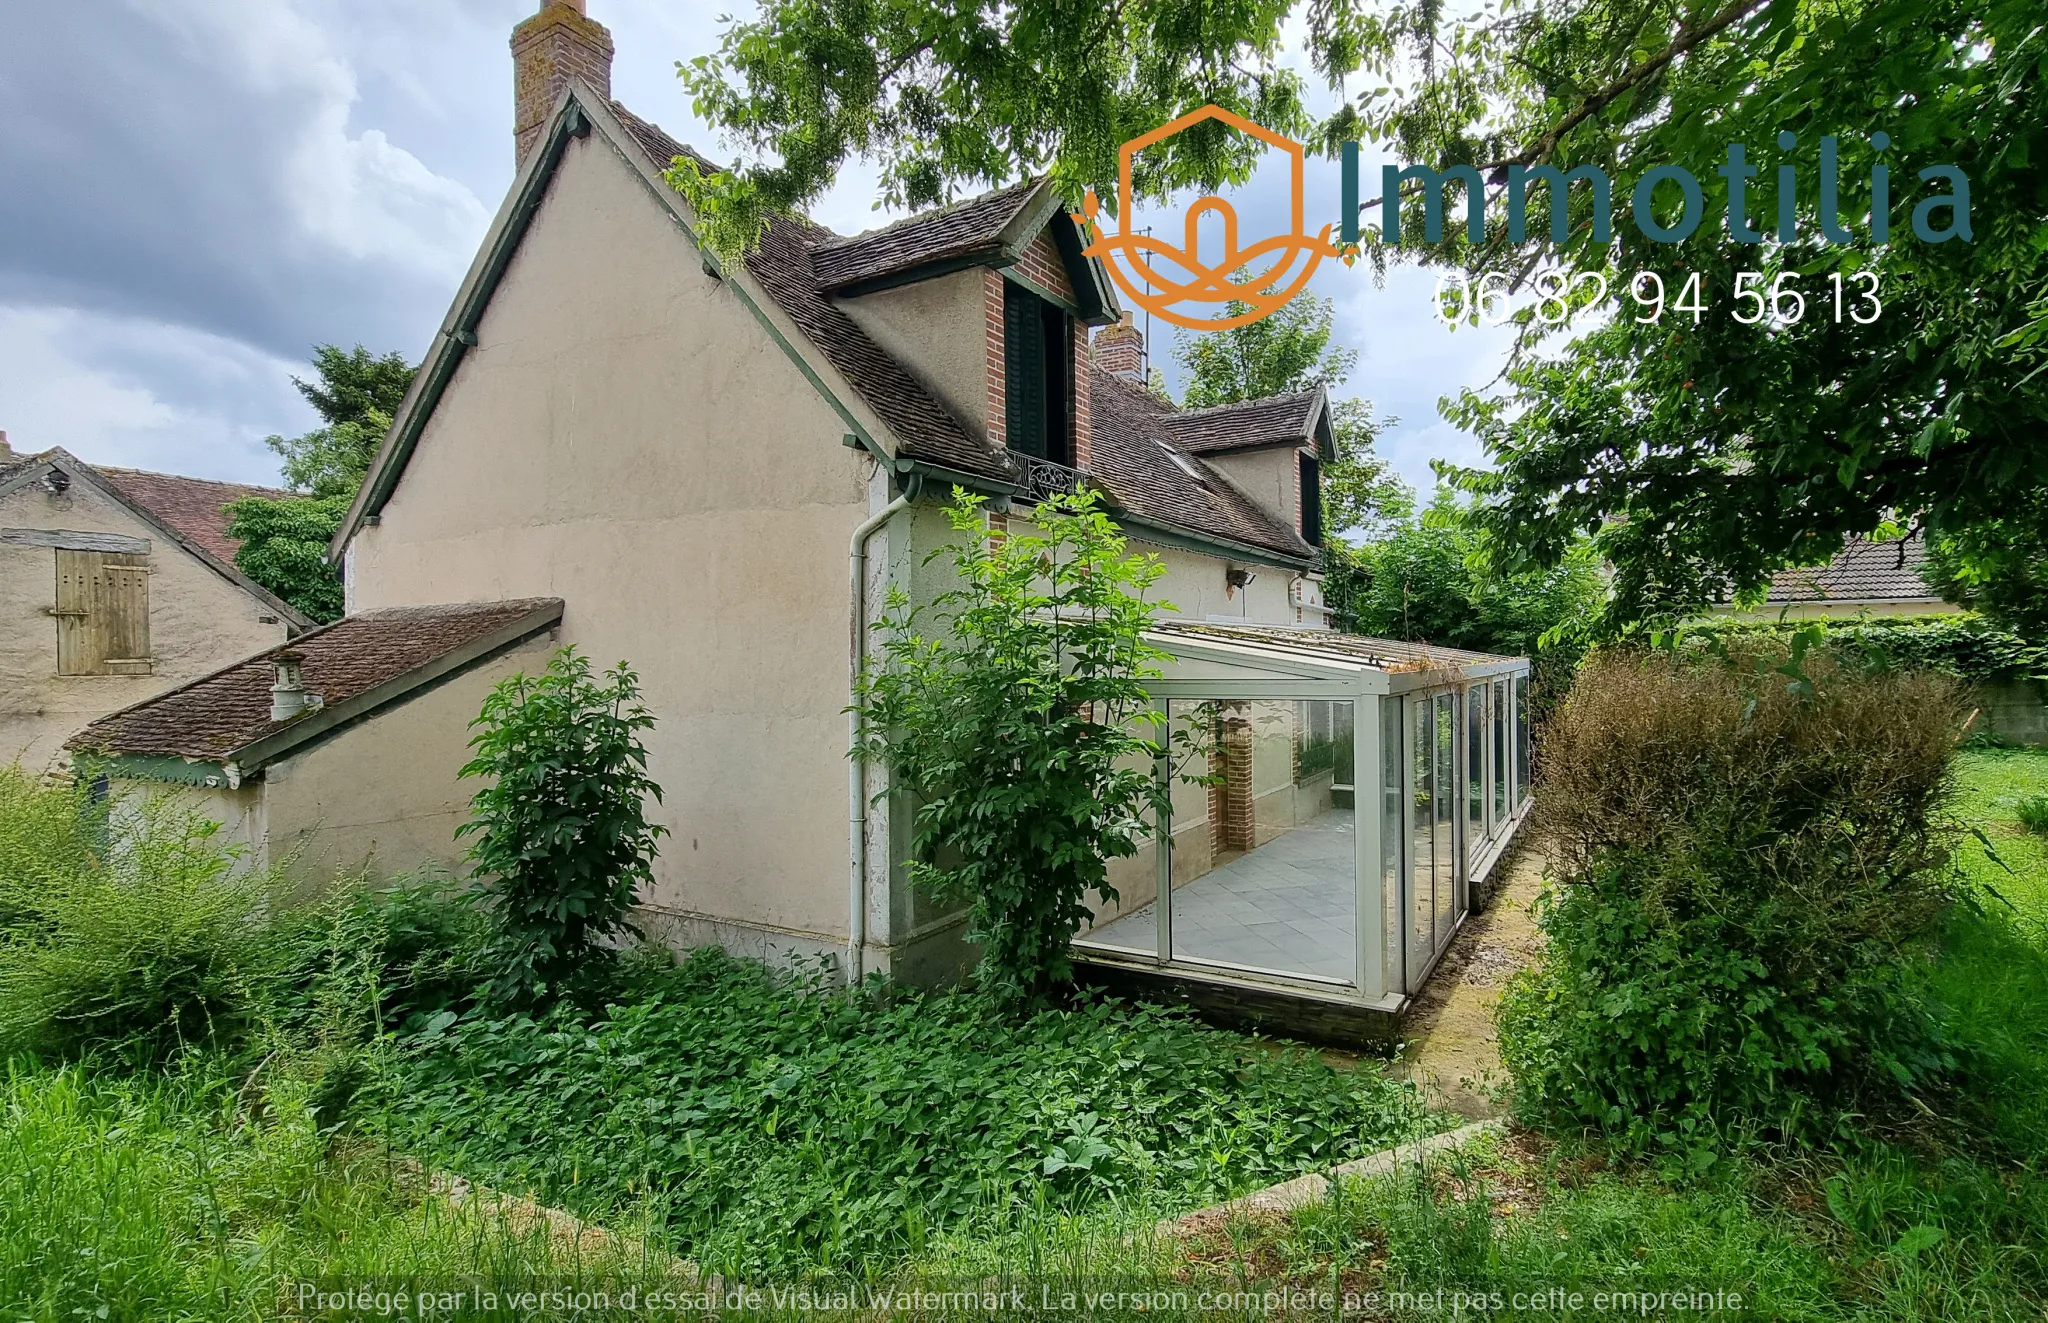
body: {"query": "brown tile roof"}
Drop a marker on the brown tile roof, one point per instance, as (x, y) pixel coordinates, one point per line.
(192, 507)
(974, 226)
(1272, 421)
(1864, 571)
(1135, 435)
(1132, 455)
(213, 717)
(782, 264)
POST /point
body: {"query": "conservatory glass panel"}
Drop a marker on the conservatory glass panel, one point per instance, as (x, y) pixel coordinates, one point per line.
(1392, 924)
(1129, 925)
(1500, 753)
(1265, 859)
(1421, 917)
(1446, 834)
(1521, 738)
(1475, 767)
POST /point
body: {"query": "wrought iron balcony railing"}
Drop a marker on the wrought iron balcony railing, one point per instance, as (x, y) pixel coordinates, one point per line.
(1040, 478)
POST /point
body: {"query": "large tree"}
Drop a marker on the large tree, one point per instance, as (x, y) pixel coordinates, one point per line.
(1291, 351)
(284, 542)
(1702, 454)
(1703, 451)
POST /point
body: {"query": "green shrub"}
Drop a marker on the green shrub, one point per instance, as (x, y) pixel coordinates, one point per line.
(562, 842)
(2033, 813)
(160, 945)
(1019, 730)
(49, 834)
(1428, 580)
(1966, 646)
(1743, 869)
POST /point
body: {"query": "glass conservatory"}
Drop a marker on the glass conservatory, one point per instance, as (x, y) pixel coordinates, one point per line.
(1335, 800)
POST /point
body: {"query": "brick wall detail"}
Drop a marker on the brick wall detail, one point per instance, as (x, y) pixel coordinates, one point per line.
(548, 50)
(998, 401)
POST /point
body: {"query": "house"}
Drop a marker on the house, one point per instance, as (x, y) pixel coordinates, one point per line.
(716, 470)
(1866, 578)
(115, 584)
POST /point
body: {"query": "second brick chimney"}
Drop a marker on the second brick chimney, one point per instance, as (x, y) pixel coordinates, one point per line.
(558, 44)
(1120, 350)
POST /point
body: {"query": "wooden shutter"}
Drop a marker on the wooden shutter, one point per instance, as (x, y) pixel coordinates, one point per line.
(1311, 501)
(1024, 371)
(102, 613)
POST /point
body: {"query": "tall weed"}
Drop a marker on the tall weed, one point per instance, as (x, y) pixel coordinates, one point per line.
(156, 945)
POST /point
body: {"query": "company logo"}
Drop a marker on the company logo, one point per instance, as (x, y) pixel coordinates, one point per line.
(1262, 277)
(1252, 275)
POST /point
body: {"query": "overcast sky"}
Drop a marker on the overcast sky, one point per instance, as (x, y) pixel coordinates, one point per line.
(193, 193)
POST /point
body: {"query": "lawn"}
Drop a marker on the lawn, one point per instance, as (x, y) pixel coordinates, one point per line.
(741, 1120)
(1948, 1221)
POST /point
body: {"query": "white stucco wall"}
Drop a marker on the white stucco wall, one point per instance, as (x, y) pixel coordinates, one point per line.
(625, 436)
(383, 796)
(938, 330)
(1270, 475)
(198, 623)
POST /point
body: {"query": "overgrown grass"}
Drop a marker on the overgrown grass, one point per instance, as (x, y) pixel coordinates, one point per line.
(1944, 1220)
(185, 1197)
(781, 1130)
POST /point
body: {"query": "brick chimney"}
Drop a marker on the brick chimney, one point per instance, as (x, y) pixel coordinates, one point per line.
(1120, 350)
(557, 44)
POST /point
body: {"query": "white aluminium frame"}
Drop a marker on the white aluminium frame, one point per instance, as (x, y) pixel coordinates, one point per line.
(1276, 674)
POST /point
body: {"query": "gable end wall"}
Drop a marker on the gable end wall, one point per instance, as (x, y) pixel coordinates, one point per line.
(626, 436)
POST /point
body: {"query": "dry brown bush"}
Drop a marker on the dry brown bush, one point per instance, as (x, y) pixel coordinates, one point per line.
(1830, 798)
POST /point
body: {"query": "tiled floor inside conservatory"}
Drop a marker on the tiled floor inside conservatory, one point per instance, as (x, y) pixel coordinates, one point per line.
(1289, 906)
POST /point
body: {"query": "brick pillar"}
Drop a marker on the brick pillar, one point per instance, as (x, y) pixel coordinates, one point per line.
(1230, 797)
(1083, 413)
(556, 45)
(998, 363)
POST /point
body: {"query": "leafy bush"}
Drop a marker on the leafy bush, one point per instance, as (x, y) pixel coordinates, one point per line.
(1744, 868)
(159, 945)
(1429, 580)
(1969, 647)
(282, 544)
(2033, 813)
(562, 842)
(1016, 730)
(49, 835)
(774, 1125)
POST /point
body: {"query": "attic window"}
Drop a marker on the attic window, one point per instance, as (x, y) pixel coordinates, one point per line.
(102, 613)
(1038, 360)
(1187, 465)
(1311, 500)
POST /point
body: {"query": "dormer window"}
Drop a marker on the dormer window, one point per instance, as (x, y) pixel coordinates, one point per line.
(1311, 499)
(1038, 366)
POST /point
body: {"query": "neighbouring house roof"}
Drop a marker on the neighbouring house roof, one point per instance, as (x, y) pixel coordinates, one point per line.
(1300, 418)
(195, 507)
(1135, 457)
(188, 512)
(1863, 571)
(356, 665)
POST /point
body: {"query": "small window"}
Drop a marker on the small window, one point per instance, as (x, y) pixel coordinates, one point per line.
(1311, 501)
(102, 613)
(1038, 362)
